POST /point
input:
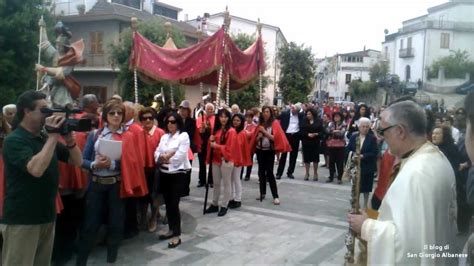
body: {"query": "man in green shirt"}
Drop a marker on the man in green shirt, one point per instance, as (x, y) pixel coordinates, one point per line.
(31, 173)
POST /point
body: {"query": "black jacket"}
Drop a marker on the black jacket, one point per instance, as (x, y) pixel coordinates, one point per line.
(285, 120)
(190, 128)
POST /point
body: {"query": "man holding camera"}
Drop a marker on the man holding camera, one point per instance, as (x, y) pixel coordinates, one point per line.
(31, 172)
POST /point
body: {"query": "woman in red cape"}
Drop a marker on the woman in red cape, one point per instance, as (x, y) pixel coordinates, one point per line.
(249, 129)
(224, 145)
(153, 135)
(241, 158)
(269, 140)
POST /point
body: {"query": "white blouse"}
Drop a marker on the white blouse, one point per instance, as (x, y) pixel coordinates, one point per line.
(178, 143)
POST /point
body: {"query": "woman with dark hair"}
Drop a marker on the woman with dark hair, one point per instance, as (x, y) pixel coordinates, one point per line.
(442, 138)
(224, 143)
(362, 111)
(153, 135)
(336, 145)
(311, 134)
(249, 129)
(172, 158)
(270, 139)
(104, 190)
(241, 158)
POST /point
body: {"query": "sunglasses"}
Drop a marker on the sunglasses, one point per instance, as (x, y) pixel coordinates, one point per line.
(116, 113)
(381, 131)
(171, 122)
(144, 118)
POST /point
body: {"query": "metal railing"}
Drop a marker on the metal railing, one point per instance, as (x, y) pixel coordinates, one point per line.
(438, 24)
(66, 7)
(97, 60)
(404, 53)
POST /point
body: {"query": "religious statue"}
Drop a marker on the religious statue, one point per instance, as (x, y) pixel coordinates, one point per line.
(57, 81)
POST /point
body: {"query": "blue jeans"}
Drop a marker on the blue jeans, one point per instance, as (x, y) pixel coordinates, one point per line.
(97, 198)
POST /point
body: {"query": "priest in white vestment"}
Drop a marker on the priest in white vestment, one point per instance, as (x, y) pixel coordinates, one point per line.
(416, 222)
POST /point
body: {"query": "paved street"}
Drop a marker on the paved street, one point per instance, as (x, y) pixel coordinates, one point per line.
(307, 228)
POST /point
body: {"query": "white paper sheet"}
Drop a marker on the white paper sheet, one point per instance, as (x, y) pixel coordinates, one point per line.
(110, 148)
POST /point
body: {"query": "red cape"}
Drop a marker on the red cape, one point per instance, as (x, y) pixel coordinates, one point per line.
(242, 152)
(133, 175)
(152, 143)
(140, 141)
(229, 150)
(280, 141)
(70, 176)
(386, 167)
(199, 123)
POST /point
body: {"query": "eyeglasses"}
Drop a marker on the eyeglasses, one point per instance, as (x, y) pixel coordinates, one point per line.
(171, 122)
(144, 118)
(381, 131)
(116, 113)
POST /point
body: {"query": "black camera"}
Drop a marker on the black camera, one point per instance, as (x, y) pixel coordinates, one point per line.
(71, 124)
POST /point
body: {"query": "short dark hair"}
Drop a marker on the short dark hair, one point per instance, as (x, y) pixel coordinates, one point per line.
(27, 101)
(146, 110)
(447, 135)
(111, 104)
(469, 107)
(337, 113)
(179, 121)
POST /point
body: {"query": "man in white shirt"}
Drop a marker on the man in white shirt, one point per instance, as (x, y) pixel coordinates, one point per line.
(449, 122)
(291, 122)
(416, 220)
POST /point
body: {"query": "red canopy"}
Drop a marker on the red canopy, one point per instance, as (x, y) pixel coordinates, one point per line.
(200, 62)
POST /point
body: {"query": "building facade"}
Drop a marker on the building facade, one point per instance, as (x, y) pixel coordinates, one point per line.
(100, 25)
(272, 36)
(333, 74)
(422, 40)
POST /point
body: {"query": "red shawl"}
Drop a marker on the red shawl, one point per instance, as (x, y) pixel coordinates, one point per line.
(227, 150)
(242, 152)
(200, 123)
(132, 166)
(386, 167)
(280, 141)
(152, 143)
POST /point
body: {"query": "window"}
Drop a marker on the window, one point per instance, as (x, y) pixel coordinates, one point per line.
(99, 91)
(444, 41)
(165, 12)
(131, 3)
(401, 44)
(409, 42)
(96, 42)
(407, 73)
(348, 78)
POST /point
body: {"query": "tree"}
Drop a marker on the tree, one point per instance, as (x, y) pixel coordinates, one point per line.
(379, 71)
(19, 35)
(297, 72)
(456, 65)
(359, 89)
(249, 96)
(154, 31)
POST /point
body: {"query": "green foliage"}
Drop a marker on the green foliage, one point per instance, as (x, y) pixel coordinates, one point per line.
(379, 71)
(359, 89)
(249, 96)
(154, 31)
(19, 35)
(456, 65)
(297, 72)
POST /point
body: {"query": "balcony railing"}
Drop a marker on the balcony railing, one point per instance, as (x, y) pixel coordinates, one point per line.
(438, 24)
(405, 53)
(97, 60)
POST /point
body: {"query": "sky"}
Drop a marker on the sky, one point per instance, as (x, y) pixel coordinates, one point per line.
(327, 26)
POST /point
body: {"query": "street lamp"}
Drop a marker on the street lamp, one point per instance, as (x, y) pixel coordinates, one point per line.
(320, 77)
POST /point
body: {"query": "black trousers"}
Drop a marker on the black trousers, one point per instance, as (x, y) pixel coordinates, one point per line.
(67, 227)
(294, 141)
(266, 160)
(202, 165)
(464, 212)
(131, 217)
(336, 161)
(173, 185)
(98, 199)
(248, 169)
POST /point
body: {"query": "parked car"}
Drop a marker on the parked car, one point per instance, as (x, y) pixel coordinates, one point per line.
(390, 81)
(465, 88)
(410, 88)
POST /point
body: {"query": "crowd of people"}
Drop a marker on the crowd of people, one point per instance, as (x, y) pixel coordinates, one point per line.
(64, 183)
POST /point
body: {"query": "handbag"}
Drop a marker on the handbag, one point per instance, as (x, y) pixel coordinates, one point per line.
(335, 143)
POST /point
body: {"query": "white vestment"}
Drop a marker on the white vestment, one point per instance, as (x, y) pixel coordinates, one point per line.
(417, 215)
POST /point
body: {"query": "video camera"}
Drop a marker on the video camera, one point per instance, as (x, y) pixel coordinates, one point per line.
(71, 124)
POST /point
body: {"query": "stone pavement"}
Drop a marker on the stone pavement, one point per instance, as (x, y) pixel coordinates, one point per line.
(307, 228)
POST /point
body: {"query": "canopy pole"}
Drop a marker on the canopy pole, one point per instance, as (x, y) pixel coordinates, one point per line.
(228, 90)
(171, 95)
(134, 24)
(226, 26)
(260, 81)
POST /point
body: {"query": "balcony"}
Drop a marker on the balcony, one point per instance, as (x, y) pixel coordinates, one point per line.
(437, 24)
(406, 53)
